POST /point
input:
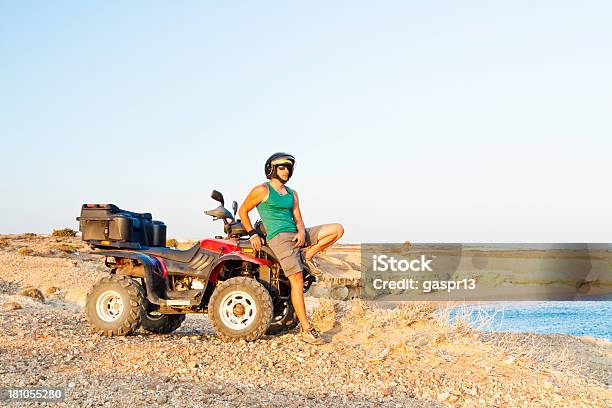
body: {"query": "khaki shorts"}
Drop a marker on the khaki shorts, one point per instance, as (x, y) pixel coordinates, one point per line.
(287, 254)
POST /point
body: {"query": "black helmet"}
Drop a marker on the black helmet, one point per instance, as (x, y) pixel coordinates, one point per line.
(277, 159)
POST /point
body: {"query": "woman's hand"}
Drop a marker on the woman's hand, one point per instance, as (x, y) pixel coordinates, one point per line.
(256, 242)
(300, 237)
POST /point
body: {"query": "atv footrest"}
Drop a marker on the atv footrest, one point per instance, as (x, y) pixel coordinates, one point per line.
(183, 294)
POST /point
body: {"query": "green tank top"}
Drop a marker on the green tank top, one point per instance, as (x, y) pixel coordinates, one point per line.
(276, 212)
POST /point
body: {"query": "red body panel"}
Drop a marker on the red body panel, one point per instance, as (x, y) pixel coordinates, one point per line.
(222, 246)
(229, 247)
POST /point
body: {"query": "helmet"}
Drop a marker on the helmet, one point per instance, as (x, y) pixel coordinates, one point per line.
(277, 159)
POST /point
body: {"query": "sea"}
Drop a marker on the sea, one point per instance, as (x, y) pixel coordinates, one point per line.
(576, 318)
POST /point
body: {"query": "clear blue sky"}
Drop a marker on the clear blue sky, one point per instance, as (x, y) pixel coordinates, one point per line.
(429, 121)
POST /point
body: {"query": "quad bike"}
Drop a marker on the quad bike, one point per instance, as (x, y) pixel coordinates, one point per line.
(243, 291)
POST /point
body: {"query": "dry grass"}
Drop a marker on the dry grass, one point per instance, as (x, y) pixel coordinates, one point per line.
(66, 248)
(389, 328)
(65, 232)
(326, 314)
(428, 326)
(530, 348)
(467, 318)
(172, 243)
(25, 251)
(4, 243)
(423, 338)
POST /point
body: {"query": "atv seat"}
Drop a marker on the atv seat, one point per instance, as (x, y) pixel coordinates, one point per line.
(174, 254)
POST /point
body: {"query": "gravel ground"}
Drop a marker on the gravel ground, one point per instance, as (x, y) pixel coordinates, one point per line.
(51, 345)
(402, 357)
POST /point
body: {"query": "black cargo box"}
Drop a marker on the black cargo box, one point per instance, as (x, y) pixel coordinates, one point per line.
(107, 222)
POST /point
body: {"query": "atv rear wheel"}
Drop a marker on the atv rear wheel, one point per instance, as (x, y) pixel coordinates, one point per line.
(240, 309)
(115, 305)
(162, 323)
(284, 318)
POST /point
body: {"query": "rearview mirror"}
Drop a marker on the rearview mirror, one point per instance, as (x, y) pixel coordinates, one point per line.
(235, 207)
(217, 196)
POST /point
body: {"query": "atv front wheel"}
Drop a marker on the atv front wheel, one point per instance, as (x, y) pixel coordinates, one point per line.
(162, 323)
(115, 305)
(240, 308)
